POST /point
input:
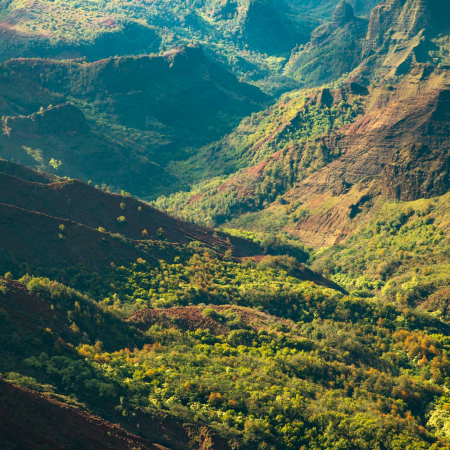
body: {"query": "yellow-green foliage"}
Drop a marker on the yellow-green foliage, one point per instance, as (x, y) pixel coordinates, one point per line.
(354, 371)
(402, 254)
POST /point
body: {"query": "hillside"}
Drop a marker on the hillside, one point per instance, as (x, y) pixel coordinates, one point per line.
(115, 116)
(267, 155)
(34, 414)
(64, 223)
(320, 159)
(270, 29)
(70, 367)
(339, 43)
(66, 228)
(224, 224)
(64, 423)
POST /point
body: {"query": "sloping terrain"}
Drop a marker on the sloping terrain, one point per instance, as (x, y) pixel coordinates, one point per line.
(409, 132)
(63, 223)
(394, 146)
(399, 34)
(145, 329)
(267, 155)
(218, 321)
(81, 203)
(19, 171)
(60, 139)
(30, 420)
(34, 415)
(100, 30)
(339, 43)
(127, 118)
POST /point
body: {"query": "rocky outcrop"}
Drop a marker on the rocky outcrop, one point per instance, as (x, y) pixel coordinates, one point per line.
(401, 33)
(343, 14)
(326, 98)
(335, 48)
(400, 151)
(417, 172)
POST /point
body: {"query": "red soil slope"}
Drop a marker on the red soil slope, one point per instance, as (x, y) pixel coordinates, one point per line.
(81, 203)
(29, 420)
(29, 311)
(192, 318)
(33, 238)
(19, 171)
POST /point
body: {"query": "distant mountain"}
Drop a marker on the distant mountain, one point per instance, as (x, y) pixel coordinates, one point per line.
(242, 35)
(47, 30)
(398, 34)
(404, 32)
(335, 49)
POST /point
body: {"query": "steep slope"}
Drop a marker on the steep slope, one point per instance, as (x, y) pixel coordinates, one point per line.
(127, 117)
(404, 32)
(41, 241)
(323, 9)
(364, 145)
(24, 173)
(335, 49)
(396, 147)
(399, 34)
(400, 151)
(226, 28)
(80, 203)
(266, 154)
(32, 420)
(60, 139)
(65, 223)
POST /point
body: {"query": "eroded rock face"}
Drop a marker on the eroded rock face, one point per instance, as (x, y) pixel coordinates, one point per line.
(399, 151)
(343, 14)
(401, 33)
(417, 172)
(421, 169)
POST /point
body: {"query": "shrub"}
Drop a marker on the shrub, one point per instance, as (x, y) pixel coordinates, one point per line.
(3, 287)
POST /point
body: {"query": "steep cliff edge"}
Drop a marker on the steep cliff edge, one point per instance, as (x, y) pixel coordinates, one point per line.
(400, 152)
(335, 49)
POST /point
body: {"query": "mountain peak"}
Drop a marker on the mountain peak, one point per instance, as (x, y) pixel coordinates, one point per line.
(343, 13)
